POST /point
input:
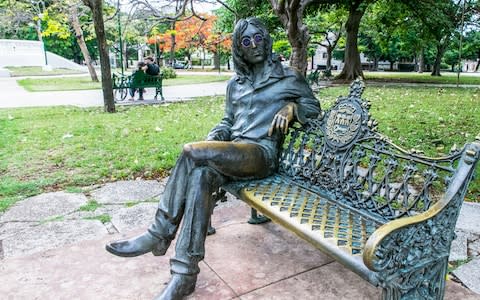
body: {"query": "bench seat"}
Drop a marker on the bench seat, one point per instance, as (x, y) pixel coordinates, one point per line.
(334, 228)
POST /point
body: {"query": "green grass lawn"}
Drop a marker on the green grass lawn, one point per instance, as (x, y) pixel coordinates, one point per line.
(85, 83)
(37, 71)
(413, 77)
(44, 149)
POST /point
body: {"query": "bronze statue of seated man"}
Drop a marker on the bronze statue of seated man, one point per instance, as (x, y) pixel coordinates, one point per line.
(262, 100)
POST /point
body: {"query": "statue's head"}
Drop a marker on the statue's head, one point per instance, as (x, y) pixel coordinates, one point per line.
(252, 44)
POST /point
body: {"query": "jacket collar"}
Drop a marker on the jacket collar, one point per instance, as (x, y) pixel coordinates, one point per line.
(273, 70)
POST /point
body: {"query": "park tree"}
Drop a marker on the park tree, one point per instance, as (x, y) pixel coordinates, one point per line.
(219, 43)
(194, 33)
(54, 24)
(170, 11)
(352, 65)
(234, 10)
(442, 20)
(96, 6)
(471, 48)
(16, 15)
(63, 17)
(74, 19)
(387, 34)
(291, 16)
(126, 28)
(327, 28)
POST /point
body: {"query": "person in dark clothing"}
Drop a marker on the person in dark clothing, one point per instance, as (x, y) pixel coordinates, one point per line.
(141, 67)
(262, 100)
(152, 67)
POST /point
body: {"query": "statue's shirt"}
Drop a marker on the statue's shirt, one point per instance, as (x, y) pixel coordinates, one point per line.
(250, 108)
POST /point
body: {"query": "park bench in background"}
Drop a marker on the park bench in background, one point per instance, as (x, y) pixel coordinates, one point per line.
(387, 214)
(138, 80)
(321, 72)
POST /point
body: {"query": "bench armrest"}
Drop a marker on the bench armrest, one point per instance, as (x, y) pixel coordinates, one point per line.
(406, 242)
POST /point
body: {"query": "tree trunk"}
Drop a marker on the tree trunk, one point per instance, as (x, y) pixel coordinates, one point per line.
(329, 58)
(216, 61)
(97, 9)
(74, 20)
(441, 47)
(39, 32)
(125, 55)
(421, 62)
(172, 49)
(478, 62)
(290, 14)
(352, 67)
(298, 58)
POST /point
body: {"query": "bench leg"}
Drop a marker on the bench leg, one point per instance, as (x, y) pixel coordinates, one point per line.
(220, 195)
(257, 219)
(424, 282)
(159, 91)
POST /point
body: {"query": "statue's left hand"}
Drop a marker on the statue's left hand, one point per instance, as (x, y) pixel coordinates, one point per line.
(282, 119)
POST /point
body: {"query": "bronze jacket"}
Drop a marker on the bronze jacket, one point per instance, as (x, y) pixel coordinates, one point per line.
(250, 109)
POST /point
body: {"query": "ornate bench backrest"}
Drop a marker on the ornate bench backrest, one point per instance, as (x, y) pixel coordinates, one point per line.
(341, 155)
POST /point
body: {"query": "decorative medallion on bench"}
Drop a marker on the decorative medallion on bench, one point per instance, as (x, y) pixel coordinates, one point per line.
(343, 123)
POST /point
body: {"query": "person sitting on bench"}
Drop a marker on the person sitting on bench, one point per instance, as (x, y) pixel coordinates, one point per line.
(141, 68)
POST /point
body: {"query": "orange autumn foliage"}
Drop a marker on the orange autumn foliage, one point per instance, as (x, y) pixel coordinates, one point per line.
(193, 33)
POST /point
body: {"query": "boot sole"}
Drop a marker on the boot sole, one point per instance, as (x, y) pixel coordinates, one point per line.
(125, 254)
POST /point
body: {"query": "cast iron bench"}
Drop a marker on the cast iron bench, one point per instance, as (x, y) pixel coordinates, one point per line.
(385, 213)
(138, 80)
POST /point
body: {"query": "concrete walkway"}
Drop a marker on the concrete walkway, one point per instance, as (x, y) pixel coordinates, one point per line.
(14, 95)
(52, 247)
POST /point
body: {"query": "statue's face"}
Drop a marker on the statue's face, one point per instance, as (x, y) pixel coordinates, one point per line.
(253, 45)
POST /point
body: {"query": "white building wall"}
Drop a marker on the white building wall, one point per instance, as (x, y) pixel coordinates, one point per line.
(20, 53)
(320, 58)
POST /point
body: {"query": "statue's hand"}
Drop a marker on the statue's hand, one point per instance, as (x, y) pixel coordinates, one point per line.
(282, 119)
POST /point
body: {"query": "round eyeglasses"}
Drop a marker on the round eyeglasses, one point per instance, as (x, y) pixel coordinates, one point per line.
(247, 41)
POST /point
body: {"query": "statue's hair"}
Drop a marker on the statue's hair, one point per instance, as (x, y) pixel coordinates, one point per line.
(239, 63)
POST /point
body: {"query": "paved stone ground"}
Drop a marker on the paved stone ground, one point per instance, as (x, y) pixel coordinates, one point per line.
(52, 247)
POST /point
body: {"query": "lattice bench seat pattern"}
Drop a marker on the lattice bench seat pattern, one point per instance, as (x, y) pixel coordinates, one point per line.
(386, 213)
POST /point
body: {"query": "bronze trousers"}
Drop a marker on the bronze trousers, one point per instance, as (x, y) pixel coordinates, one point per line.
(199, 171)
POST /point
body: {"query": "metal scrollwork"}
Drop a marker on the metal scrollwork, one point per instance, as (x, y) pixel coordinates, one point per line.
(407, 258)
(343, 154)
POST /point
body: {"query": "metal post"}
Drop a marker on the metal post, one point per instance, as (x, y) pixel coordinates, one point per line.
(120, 36)
(460, 46)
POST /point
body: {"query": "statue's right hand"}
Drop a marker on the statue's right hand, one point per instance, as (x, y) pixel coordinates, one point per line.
(282, 119)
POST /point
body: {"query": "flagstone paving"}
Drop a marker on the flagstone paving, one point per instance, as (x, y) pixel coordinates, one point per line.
(52, 246)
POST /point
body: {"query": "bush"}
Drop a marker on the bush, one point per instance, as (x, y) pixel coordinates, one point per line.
(444, 66)
(168, 72)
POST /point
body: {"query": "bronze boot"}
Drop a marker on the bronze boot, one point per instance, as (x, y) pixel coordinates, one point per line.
(178, 287)
(139, 245)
